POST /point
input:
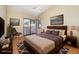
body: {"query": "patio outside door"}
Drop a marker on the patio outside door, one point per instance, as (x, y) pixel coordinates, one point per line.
(26, 26)
(29, 26)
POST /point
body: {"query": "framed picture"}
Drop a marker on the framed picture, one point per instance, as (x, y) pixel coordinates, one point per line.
(57, 20)
(15, 21)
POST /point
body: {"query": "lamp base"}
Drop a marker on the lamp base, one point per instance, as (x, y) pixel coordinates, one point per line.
(71, 33)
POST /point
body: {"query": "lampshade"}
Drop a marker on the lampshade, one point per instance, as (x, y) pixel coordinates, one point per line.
(44, 28)
(77, 28)
(71, 28)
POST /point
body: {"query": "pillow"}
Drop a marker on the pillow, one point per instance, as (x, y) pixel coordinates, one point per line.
(48, 32)
(49, 29)
(61, 32)
(55, 32)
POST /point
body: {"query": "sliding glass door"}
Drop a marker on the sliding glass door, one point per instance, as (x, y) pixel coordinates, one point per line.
(29, 26)
(26, 26)
(33, 26)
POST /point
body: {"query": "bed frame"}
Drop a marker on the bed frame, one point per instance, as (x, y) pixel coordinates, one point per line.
(59, 28)
(56, 49)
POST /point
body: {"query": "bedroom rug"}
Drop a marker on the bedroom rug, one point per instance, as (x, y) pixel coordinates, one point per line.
(23, 50)
(63, 51)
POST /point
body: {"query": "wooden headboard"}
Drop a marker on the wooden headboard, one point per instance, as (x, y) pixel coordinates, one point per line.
(59, 28)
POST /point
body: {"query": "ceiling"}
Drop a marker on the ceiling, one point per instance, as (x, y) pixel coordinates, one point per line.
(33, 10)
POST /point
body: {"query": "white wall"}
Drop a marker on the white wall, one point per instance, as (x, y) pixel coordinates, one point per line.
(16, 14)
(3, 15)
(71, 15)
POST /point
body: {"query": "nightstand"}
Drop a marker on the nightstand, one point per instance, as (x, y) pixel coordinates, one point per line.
(71, 40)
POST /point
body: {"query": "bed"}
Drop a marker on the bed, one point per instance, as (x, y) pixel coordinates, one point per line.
(45, 43)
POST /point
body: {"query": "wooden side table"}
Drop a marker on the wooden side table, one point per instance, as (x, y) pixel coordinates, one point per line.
(71, 40)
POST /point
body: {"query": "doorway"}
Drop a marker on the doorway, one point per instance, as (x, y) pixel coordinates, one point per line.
(29, 26)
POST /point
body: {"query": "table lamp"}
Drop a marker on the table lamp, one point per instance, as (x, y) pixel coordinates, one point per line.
(71, 28)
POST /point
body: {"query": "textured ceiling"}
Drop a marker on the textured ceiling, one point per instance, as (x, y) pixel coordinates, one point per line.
(33, 10)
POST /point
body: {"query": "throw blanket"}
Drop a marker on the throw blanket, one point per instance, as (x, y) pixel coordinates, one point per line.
(42, 45)
(57, 39)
